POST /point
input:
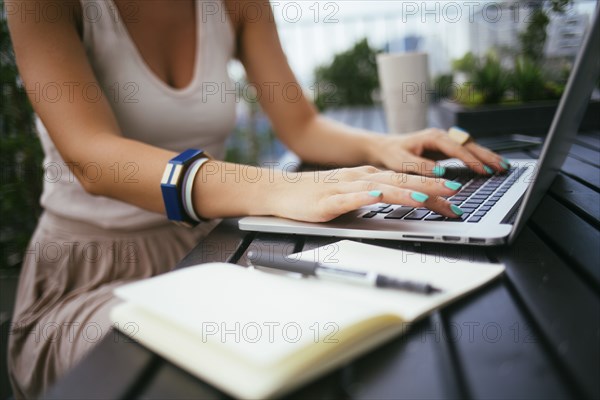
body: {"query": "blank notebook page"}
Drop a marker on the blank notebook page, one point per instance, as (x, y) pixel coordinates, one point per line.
(272, 316)
(280, 315)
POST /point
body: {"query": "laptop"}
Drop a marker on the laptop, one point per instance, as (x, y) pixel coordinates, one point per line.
(496, 207)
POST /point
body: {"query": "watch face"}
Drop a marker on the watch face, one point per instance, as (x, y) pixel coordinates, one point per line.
(166, 174)
(175, 177)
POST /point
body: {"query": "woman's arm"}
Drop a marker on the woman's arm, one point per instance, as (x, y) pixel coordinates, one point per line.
(317, 139)
(51, 53)
(294, 118)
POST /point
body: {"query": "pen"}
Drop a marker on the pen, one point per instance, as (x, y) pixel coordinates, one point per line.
(373, 279)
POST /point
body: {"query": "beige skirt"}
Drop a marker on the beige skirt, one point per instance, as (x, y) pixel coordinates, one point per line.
(65, 290)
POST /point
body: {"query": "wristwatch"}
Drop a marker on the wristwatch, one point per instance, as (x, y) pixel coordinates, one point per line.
(171, 185)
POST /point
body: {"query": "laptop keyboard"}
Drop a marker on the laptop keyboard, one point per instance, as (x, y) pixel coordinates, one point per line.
(477, 197)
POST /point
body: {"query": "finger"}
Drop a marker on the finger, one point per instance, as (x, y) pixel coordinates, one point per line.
(355, 172)
(412, 164)
(400, 195)
(390, 194)
(495, 161)
(341, 203)
(416, 199)
(449, 147)
(443, 207)
(431, 186)
(358, 194)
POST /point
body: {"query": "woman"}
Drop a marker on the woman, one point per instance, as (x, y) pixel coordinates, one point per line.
(120, 87)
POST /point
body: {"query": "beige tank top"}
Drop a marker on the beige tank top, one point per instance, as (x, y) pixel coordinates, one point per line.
(201, 115)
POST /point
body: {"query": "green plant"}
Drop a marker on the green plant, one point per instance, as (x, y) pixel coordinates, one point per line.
(468, 64)
(20, 158)
(443, 86)
(533, 39)
(487, 79)
(528, 81)
(350, 79)
(490, 79)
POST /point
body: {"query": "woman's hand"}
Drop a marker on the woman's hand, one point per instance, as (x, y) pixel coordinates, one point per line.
(415, 153)
(323, 195)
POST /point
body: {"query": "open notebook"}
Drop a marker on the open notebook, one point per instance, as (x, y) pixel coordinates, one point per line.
(255, 334)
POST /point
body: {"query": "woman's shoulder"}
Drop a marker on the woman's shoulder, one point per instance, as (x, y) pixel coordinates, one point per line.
(241, 12)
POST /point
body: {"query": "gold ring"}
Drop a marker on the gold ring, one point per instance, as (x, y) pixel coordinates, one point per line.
(459, 136)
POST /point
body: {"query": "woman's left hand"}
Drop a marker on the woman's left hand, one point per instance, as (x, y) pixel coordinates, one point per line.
(417, 152)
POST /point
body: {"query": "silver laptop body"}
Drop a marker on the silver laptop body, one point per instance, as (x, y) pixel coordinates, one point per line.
(516, 195)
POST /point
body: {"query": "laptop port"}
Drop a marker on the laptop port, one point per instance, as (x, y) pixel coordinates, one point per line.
(476, 240)
(418, 237)
(451, 238)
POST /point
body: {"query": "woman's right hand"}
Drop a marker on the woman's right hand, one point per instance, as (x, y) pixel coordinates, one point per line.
(324, 195)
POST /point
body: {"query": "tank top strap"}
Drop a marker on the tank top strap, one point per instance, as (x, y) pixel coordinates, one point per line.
(219, 36)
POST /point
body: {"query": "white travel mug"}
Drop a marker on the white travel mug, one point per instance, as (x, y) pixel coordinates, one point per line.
(404, 82)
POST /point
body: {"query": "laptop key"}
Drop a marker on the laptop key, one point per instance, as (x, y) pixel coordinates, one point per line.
(474, 219)
(435, 217)
(462, 218)
(417, 214)
(370, 214)
(399, 213)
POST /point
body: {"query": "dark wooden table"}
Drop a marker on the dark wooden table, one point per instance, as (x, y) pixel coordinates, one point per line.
(534, 333)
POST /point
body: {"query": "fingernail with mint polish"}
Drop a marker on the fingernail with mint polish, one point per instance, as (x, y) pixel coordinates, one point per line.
(488, 169)
(438, 170)
(452, 185)
(375, 193)
(456, 210)
(505, 163)
(418, 196)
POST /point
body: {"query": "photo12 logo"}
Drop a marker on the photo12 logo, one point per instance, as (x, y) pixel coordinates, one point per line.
(90, 92)
(269, 332)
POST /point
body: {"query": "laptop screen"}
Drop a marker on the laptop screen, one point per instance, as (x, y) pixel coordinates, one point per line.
(565, 125)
